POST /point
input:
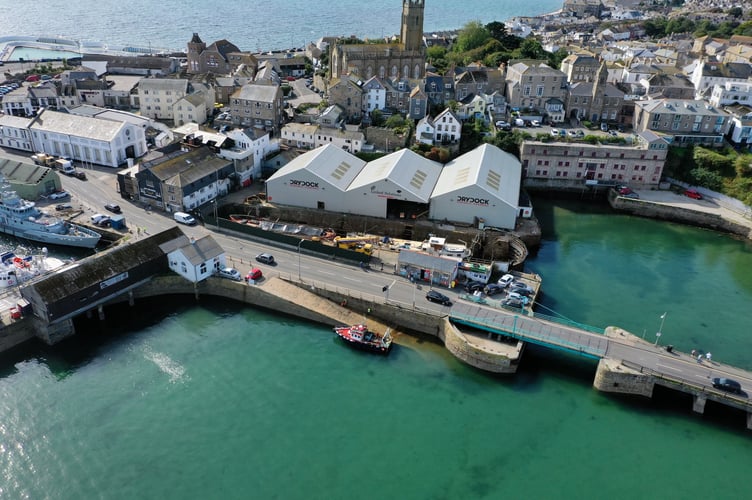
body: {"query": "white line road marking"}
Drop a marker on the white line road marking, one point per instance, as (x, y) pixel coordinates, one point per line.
(669, 367)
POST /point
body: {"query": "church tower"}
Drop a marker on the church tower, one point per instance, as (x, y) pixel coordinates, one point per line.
(411, 34)
(195, 48)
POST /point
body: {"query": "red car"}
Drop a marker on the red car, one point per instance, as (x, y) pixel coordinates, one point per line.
(254, 274)
(692, 193)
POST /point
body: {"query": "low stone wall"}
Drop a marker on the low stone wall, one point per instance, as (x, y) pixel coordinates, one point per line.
(462, 349)
(613, 376)
(643, 208)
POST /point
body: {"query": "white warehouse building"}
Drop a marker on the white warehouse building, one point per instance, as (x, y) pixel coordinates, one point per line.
(398, 185)
(483, 183)
(316, 179)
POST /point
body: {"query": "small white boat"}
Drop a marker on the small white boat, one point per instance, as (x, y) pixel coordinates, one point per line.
(15, 270)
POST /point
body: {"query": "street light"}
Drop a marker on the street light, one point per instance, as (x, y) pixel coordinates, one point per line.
(660, 329)
(299, 243)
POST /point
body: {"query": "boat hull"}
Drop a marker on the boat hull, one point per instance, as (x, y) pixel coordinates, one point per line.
(85, 239)
(379, 347)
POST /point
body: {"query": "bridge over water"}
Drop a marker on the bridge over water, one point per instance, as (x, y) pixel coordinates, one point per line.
(627, 364)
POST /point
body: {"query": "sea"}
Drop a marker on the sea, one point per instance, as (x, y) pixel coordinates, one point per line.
(252, 25)
(210, 399)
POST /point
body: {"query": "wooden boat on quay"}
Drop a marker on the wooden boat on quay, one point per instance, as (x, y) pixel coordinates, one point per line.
(360, 337)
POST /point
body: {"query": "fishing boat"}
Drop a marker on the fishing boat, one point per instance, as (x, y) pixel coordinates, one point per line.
(15, 269)
(22, 219)
(360, 337)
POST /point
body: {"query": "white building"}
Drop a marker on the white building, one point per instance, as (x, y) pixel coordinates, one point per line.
(308, 136)
(398, 185)
(252, 145)
(90, 140)
(14, 133)
(374, 94)
(481, 184)
(731, 93)
(194, 260)
(157, 96)
(316, 179)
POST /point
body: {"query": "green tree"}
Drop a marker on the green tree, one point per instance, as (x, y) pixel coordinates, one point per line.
(713, 161)
(395, 121)
(377, 118)
(530, 48)
(744, 29)
(435, 52)
(656, 27)
(497, 30)
(706, 178)
(554, 60)
(471, 36)
(736, 12)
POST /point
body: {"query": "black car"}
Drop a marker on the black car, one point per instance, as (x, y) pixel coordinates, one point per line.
(439, 298)
(493, 289)
(473, 286)
(521, 288)
(728, 385)
(112, 207)
(265, 258)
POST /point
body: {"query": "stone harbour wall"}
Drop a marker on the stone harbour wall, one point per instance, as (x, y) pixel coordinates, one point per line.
(613, 376)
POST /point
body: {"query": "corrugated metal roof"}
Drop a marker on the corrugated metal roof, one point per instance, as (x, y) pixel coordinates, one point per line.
(405, 168)
(486, 166)
(330, 163)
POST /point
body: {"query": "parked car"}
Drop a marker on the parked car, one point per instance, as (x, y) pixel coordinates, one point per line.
(572, 133)
(506, 280)
(112, 207)
(78, 174)
(512, 302)
(64, 206)
(727, 384)
(624, 190)
(536, 123)
(514, 296)
(632, 195)
(612, 132)
(254, 274)
(555, 132)
(693, 193)
(493, 289)
(519, 122)
(580, 133)
(265, 258)
(439, 298)
(473, 286)
(521, 288)
(230, 273)
(604, 127)
(502, 125)
(101, 220)
(58, 195)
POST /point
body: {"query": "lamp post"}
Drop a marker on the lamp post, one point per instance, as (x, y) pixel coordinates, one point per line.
(660, 329)
(299, 243)
(216, 216)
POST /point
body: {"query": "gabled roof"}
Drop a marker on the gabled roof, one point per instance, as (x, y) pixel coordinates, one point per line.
(486, 166)
(223, 47)
(171, 84)
(195, 251)
(331, 164)
(256, 92)
(22, 173)
(407, 169)
(80, 126)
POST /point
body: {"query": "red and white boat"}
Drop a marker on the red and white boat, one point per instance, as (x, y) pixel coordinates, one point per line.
(360, 337)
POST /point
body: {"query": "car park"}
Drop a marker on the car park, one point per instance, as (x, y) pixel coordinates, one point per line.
(254, 274)
(58, 195)
(693, 193)
(439, 298)
(112, 207)
(727, 384)
(230, 273)
(265, 258)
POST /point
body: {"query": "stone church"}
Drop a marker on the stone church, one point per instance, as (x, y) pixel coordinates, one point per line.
(403, 60)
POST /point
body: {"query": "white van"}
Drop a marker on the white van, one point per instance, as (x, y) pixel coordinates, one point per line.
(184, 218)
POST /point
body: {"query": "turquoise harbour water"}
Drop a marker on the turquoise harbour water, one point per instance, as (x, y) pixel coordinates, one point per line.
(221, 401)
